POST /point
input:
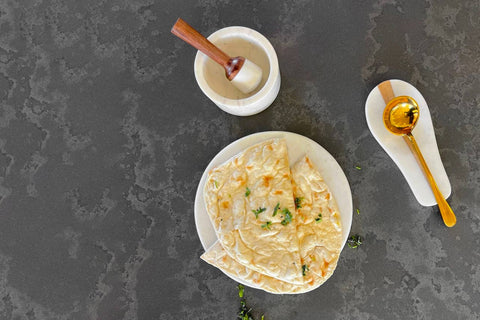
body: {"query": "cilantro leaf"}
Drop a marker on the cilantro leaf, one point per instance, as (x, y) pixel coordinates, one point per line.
(258, 211)
(267, 225)
(247, 192)
(276, 209)
(244, 312)
(319, 218)
(287, 215)
(304, 270)
(240, 290)
(354, 241)
(298, 202)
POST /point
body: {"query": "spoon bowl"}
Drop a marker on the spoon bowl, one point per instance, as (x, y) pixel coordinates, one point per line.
(401, 115)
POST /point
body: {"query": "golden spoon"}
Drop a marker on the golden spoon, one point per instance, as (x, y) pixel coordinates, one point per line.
(400, 117)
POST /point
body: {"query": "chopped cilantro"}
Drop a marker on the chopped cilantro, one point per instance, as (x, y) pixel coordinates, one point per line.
(304, 270)
(276, 209)
(287, 215)
(244, 313)
(358, 211)
(247, 192)
(267, 225)
(216, 183)
(298, 202)
(354, 241)
(240, 290)
(258, 211)
(358, 168)
(319, 218)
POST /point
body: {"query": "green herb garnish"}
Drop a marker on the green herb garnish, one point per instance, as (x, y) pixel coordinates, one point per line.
(267, 225)
(287, 215)
(304, 270)
(258, 211)
(298, 202)
(216, 184)
(244, 312)
(358, 211)
(240, 290)
(354, 241)
(358, 168)
(319, 218)
(247, 192)
(276, 209)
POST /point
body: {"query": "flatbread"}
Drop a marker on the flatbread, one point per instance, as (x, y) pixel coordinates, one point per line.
(320, 237)
(273, 249)
(218, 257)
(319, 227)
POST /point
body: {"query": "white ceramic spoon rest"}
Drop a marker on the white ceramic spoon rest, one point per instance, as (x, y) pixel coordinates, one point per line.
(399, 151)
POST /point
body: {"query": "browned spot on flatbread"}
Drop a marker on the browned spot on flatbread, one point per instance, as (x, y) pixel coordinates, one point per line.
(324, 267)
(225, 204)
(236, 161)
(269, 147)
(326, 264)
(266, 181)
(278, 192)
(327, 196)
(309, 162)
(249, 167)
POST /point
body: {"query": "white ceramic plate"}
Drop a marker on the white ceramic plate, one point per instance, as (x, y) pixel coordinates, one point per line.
(399, 151)
(298, 146)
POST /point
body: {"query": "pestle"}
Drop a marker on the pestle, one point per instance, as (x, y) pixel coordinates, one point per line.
(242, 73)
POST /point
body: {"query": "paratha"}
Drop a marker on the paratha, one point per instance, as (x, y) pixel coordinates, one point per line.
(218, 257)
(319, 227)
(318, 232)
(249, 200)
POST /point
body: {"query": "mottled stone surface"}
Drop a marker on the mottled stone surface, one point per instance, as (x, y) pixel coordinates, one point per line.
(104, 135)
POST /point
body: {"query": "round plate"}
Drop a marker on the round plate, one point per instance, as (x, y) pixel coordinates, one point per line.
(298, 146)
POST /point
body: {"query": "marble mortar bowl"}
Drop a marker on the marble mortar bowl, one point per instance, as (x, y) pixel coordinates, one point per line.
(210, 76)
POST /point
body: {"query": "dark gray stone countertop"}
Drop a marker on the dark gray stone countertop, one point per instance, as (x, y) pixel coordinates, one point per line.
(104, 135)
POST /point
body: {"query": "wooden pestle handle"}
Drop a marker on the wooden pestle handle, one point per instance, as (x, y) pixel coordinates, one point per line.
(185, 32)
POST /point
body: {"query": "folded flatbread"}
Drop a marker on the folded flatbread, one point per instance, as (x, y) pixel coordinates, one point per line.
(218, 257)
(318, 231)
(319, 227)
(250, 202)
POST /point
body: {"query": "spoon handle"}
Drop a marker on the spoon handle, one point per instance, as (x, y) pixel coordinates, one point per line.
(387, 91)
(447, 213)
(185, 32)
